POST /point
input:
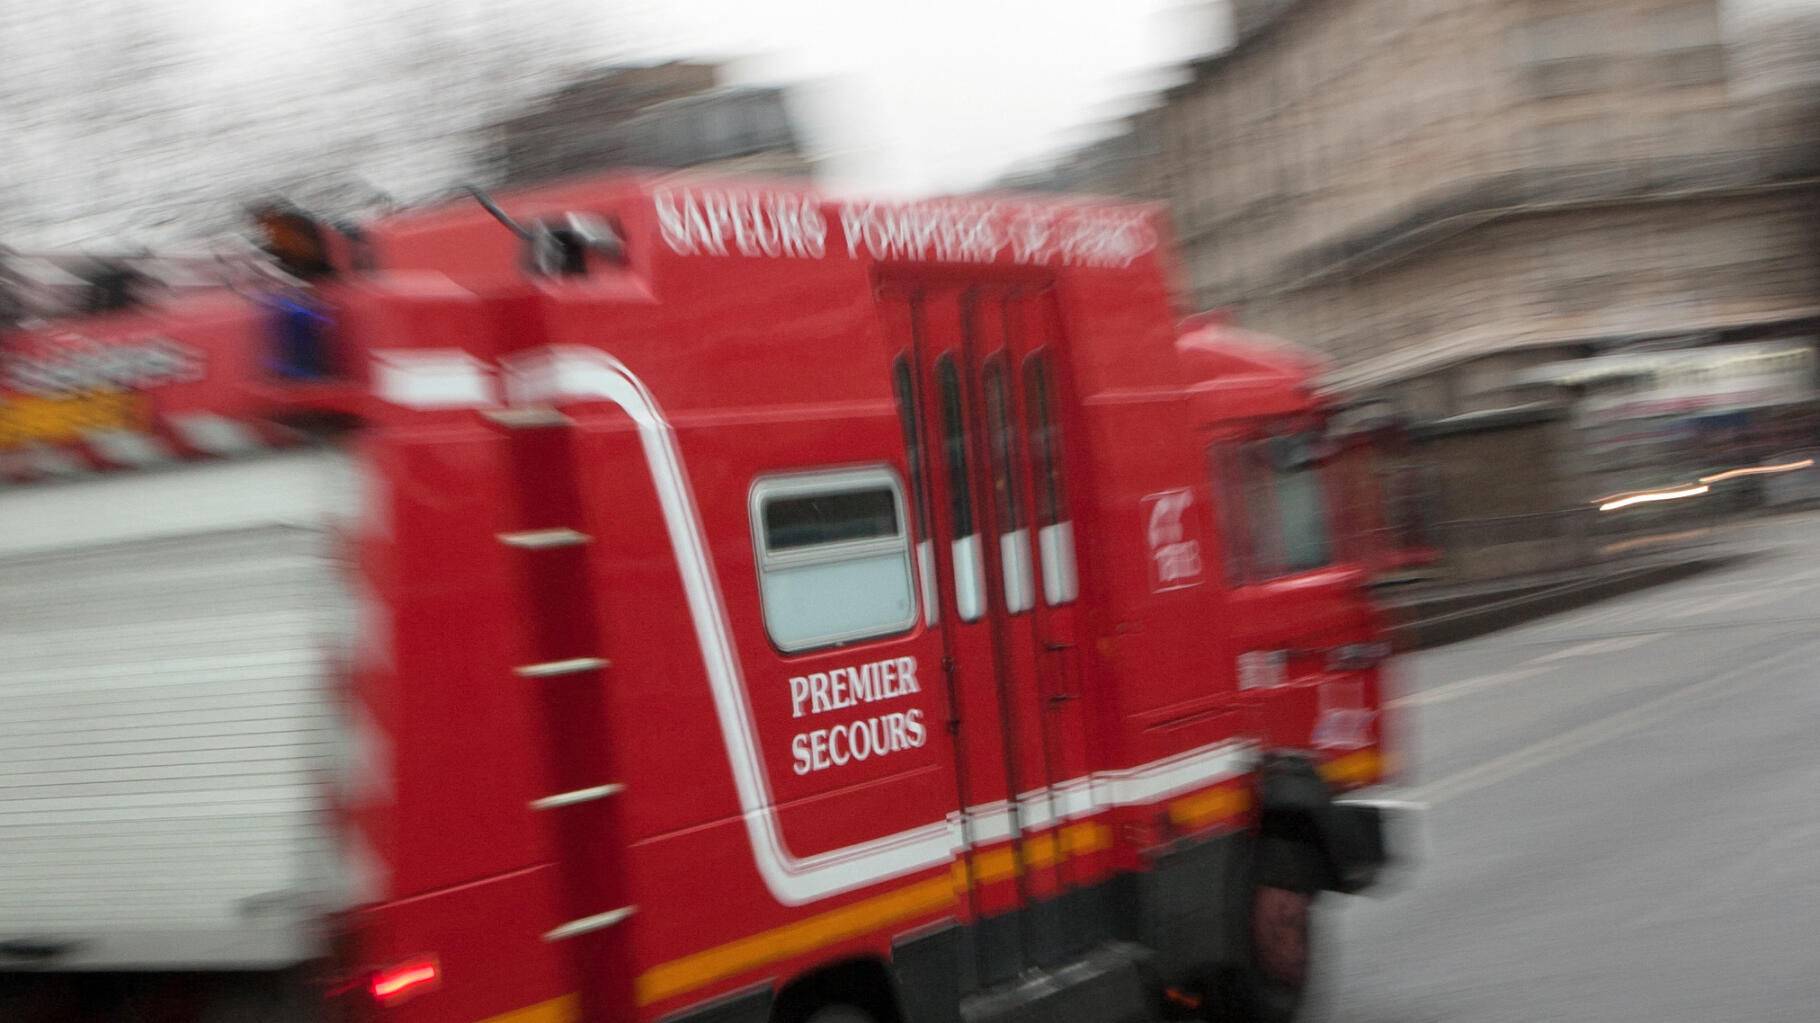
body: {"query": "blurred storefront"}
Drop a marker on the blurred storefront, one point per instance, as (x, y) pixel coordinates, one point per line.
(1661, 418)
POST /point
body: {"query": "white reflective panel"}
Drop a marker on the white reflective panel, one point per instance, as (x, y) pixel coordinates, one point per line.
(1014, 557)
(827, 602)
(1057, 543)
(969, 578)
(925, 564)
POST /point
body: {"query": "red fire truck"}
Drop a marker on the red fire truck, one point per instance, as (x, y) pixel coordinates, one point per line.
(680, 599)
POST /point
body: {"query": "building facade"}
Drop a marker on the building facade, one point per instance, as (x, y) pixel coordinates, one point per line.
(664, 116)
(1441, 194)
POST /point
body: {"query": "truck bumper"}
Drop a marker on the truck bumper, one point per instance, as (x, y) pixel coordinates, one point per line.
(1373, 842)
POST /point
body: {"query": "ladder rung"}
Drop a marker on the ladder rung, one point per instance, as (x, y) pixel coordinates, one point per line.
(542, 539)
(527, 418)
(572, 666)
(587, 924)
(577, 796)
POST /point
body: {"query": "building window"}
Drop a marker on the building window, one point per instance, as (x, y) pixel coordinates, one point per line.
(833, 557)
(1697, 132)
(1577, 142)
(719, 129)
(1703, 65)
(1691, 27)
(1570, 77)
(1567, 55)
(771, 122)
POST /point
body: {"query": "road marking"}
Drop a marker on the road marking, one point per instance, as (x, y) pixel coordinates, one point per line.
(1466, 686)
(1776, 594)
(1660, 608)
(1747, 599)
(1451, 690)
(1682, 607)
(1599, 646)
(1726, 885)
(1787, 584)
(1811, 573)
(1594, 732)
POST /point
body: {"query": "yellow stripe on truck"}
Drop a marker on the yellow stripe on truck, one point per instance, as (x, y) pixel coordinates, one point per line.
(1359, 768)
(794, 939)
(1085, 837)
(680, 976)
(1191, 813)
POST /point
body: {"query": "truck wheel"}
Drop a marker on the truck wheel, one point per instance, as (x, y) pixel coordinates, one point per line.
(1278, 921)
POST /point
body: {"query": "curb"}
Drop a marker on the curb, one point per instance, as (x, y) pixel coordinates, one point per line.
(1472, 620)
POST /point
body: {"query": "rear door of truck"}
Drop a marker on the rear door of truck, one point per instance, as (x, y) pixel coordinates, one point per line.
(974, 369)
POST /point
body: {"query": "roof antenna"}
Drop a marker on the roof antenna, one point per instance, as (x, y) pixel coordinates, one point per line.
(500, 215)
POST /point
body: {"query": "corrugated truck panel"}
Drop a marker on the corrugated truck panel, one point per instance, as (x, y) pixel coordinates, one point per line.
(170, 721)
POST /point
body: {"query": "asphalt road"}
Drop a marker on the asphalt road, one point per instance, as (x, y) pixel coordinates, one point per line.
(1625, 813)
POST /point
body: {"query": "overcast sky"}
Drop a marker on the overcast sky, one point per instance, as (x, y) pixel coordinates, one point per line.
(916, 94)
(899, 95)
(942, 94)
(923, 96)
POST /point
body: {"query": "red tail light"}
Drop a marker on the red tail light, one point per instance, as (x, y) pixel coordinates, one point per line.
(405, 981)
